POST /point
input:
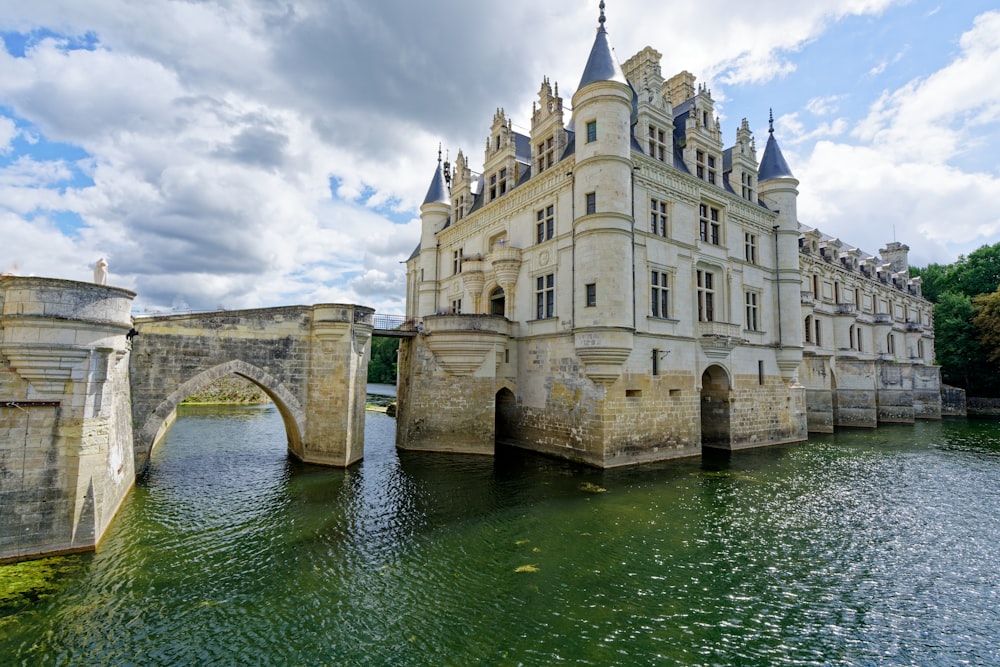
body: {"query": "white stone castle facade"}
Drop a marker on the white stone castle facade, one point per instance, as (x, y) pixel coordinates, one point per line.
(618, 287)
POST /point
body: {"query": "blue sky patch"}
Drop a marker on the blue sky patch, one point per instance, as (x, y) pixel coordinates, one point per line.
(19, 43)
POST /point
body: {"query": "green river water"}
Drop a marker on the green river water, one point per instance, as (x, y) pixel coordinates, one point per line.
(869, 547)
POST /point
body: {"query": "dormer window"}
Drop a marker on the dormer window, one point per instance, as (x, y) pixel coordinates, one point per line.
(546, 154)
(706, 167)
(747, 186)
(493, 187)
(657, 143)
(503, 181)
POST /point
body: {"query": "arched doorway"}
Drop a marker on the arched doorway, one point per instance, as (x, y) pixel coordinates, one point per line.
(715, 431)
(506, 416)
(498, 302)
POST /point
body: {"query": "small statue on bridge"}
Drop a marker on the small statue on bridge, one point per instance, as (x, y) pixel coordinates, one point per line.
(101, 272)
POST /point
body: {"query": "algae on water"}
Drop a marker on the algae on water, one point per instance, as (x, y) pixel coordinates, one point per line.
(29, 581)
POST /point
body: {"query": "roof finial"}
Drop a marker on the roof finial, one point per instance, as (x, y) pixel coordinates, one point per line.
(602, 19)
(439, 152)
(770, 121)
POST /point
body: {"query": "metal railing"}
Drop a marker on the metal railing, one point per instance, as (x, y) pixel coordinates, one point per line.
(383, 322)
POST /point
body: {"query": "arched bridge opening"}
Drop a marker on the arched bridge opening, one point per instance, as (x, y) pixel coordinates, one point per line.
(312, 361)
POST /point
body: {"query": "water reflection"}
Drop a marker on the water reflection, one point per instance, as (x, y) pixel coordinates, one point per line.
(867, 547)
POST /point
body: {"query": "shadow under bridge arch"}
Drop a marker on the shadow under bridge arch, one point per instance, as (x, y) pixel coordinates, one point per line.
(288, 406)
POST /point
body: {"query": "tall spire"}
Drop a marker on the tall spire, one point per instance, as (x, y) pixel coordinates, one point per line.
(602, 64)
(438, 191)
(772, 164)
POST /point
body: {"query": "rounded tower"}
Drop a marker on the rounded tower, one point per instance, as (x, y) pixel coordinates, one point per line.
(435, 213)
(778, 189)
(603, 301)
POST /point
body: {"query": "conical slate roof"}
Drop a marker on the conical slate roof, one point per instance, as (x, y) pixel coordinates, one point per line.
(772, 164)
(438, 191)
(602, 64)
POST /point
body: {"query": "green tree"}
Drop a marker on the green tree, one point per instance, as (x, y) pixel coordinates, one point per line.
(382, 366)
(987, 323)
(979, 273)
(934, 279)
(956, 346)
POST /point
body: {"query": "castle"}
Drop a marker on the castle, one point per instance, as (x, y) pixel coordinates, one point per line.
(618, 287)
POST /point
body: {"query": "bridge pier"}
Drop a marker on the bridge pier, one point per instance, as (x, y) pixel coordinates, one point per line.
(66, 459)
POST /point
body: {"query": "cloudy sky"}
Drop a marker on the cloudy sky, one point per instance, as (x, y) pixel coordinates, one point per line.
(245, 153)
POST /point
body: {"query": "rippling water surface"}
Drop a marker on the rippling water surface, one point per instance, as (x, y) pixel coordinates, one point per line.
(864, 548)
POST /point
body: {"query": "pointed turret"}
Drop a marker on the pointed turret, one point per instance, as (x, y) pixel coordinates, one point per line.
(435, 214)
(773, 164)
(438, 191)
(602, 64)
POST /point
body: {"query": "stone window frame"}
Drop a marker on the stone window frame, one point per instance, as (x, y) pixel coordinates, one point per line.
(706, 166)
(751, 247)
(456, 261)
(657, 142)
(590, 200)
(456, 307)
(546, 153)
(661, 282)
(659, 217)
(591, 131)
(590, 295)
(545, 223)
(545, 296)
(747, 186)
(708, 293)
(711, 223)
(752, 303)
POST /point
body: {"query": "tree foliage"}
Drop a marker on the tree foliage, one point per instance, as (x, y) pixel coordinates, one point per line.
(967, 319)
(382, 366)
(955, 338)
(987, 323)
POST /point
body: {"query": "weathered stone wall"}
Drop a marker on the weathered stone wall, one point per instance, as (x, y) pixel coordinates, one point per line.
(558, 410)
(983, 407)
(953, 401)
(445, 401)
(894, 384)
(926, 392)
(815, 375)
(854, 399)
(766, 414)
(66, 459)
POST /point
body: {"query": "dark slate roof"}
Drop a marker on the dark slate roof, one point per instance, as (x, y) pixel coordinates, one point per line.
(773, 164)
(438, 191)
(415, 253)
(602, 64)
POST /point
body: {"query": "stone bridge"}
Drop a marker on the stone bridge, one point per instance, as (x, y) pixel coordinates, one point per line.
(83, 400)
(312, 361)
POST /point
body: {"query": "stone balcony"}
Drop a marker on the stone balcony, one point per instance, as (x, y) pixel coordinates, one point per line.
(883, 318)
(806, 297)
(719, 338)
(846, 309)
(719, 329)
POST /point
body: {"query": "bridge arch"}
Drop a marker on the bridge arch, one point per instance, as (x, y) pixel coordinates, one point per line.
(288, 406)
(311, 360)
